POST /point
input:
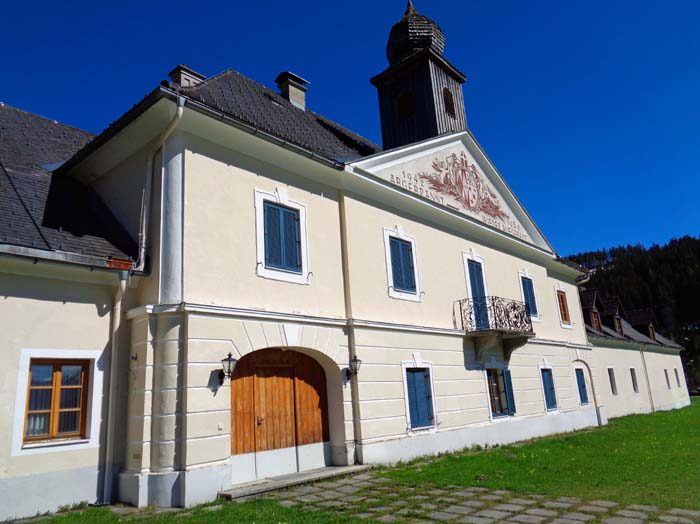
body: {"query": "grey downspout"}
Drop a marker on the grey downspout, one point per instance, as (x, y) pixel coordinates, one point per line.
(354, 386)
(646, 377)
(112, 387)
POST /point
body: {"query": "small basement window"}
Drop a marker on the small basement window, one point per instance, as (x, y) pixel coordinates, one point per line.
(613, 382)
(633, 375)
(668, 382)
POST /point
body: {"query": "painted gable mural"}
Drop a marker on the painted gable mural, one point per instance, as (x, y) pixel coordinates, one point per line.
(452, 178)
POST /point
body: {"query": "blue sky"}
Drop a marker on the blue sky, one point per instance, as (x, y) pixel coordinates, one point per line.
(590, 110)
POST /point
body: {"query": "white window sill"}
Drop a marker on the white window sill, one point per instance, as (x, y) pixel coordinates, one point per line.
(404, 295)
(566, 326)
(501, 418)
(536, 319)
(421, 430)
(552, 411)
(55, 445)
(283, 276)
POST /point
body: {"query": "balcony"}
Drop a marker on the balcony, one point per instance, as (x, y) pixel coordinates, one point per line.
(491, 321)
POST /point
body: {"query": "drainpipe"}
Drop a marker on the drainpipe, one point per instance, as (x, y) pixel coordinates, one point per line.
(646, 377)
(113, 379)
(354, 386)
(146, 203)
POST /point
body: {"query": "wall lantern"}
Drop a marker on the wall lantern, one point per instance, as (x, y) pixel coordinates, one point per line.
(228, 364)
(354, 367)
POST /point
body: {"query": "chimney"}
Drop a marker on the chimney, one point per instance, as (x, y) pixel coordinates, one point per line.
(293, 88)
(184, 76)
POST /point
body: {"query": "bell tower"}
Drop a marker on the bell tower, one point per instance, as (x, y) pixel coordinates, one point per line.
(420, 93)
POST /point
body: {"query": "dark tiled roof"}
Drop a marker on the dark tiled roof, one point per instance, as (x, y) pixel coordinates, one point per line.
(45, 211)
(588, 298)
(252, 103)
(640, 317)
(611, 306)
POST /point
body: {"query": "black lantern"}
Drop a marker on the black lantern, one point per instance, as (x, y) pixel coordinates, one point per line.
(228, 364)
(354, 367)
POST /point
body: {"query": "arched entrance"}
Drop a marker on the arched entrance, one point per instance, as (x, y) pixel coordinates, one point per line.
(279, 415)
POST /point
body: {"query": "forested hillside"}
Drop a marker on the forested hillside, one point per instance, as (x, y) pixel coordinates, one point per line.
(667, 278)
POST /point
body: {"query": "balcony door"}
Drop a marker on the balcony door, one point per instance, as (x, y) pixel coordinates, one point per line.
(477, 293)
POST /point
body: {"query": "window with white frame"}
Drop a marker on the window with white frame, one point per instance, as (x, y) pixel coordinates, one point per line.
(401, 265)
(563, 305)
(281, 237)
(581, 383)
(527, 286)
(501, 396)
(550, 394)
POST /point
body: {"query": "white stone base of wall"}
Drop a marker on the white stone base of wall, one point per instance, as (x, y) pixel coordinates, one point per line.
(675, 405)
(34, 494)
(503, 432)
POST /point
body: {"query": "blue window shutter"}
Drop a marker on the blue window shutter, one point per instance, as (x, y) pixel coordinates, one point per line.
(478, 288)
(292, 240)
(273, 243)
(508, 382)
(396, 268)
(420, 401)
(549, 392)
(582, 392)
(409, 272)
(529, 293)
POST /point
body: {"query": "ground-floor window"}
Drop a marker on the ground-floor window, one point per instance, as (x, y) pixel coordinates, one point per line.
(420, 398)
(668, 381)
(678, 378)
(613, 382)
(57, 400)
(550, 395)
(501, 392)
(581, 381)
(635, 385)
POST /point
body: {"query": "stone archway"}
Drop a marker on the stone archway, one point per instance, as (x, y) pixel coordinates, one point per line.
(279, 414)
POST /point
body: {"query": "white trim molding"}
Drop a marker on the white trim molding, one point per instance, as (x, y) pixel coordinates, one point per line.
(526, 274)
(398, 232)
(418, 363)
(281, 197)
(94, 407)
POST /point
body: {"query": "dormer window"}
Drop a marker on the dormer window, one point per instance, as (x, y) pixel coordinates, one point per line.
(595, 320)
(405, 106)
(618, 325)
(449, 100)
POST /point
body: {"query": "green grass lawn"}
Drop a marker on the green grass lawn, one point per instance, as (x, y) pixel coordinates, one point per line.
(643, 459)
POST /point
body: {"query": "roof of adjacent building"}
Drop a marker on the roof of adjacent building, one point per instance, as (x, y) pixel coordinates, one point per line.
(252, 103)
(628, 319)
(47, 212)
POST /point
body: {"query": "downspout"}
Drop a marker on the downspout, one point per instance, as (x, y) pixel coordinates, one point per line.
(146, 203)
(646, 377)
(113, 379)
(354, 386)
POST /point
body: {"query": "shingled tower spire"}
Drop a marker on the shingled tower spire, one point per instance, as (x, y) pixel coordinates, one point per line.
(420, 93)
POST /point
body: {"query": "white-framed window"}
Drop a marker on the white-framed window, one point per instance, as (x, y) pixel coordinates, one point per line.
(477, 289)
(281, 237)
(419, 395)
(613, 381)
(563, 307)
(401, 264)
(582, 386)
(527, 289)
(549, 390)
(499, 384)
(57, 404)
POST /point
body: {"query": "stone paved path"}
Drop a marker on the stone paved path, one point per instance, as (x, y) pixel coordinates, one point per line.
(369, 497)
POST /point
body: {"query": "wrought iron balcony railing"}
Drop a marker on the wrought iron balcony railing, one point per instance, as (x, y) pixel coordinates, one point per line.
(492, 314)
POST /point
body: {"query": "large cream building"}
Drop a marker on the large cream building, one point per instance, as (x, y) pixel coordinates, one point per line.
(378, 304)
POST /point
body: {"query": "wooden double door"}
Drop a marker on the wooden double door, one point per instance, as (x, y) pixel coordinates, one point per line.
(279, 406)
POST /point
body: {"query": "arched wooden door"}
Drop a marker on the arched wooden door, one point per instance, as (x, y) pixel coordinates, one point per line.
(279, 412)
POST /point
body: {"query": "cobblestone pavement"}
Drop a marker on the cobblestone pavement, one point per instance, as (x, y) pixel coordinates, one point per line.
(372, 498)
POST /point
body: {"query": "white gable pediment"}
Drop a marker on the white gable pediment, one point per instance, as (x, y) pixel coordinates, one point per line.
(453, 172)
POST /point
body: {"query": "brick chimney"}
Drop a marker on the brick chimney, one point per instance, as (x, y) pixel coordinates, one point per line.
(184, 76)
(293, 88)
